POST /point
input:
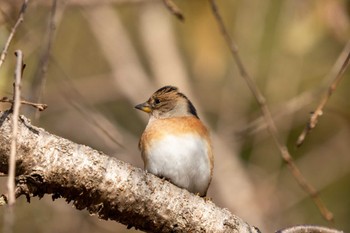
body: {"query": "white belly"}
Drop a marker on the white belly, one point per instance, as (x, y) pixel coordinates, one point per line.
(183, 160)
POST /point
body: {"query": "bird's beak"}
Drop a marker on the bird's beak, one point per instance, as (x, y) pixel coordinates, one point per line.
(144, 107)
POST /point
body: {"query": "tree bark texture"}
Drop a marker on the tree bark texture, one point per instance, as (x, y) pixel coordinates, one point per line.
(105, 186)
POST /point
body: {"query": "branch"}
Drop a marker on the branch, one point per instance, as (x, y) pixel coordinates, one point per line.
(39, 106)
(319, 110)
(308, 228)
(15, 108)
(9, 39)
(39, 80)
(9, 216)
(105, 186)
(174, 9)
(271, 126)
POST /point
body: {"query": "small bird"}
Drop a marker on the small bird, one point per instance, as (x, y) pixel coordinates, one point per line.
(175, 144)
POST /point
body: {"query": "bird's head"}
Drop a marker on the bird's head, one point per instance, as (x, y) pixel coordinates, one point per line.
(168, 102)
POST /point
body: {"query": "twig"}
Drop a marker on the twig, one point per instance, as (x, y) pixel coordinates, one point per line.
(268, 118)
(94, 3)
(15, 108)
(39, 106)
(9, 217)
(39, 81)
(288, 108)
(90, 118)
(174, 9)
(88, 114)
(319, 110)
(9, 39)
(308, 228)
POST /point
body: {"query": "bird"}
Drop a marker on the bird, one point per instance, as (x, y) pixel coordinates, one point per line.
(175, 144)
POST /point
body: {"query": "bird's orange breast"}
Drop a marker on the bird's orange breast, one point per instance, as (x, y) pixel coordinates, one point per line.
(158, 128)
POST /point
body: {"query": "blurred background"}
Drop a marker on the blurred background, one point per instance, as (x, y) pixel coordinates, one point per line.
(92, 61)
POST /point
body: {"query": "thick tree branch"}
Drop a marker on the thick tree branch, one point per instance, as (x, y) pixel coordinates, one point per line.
(107, 187)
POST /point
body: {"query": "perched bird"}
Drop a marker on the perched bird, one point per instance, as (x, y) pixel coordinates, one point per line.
(175, 144)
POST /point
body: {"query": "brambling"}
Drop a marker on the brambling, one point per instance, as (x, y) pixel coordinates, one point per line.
(175, 144)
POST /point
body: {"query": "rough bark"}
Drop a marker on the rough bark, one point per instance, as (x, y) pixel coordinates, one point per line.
(105, 186)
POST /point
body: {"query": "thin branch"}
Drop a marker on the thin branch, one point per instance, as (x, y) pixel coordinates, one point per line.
(9, 216)
(304, 184)
(9, 39)
(308, 228)
(288, 108)
(15, 108)
(39, 106)
(302, 100)
(87, 112)
(332, 87)
(39, 81)
(92, 119)
(174, 9)
(94, 3)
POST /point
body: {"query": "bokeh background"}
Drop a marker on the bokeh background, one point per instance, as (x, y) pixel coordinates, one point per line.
(91, 61)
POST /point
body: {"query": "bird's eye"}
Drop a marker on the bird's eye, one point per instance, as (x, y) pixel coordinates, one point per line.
(156, 101)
